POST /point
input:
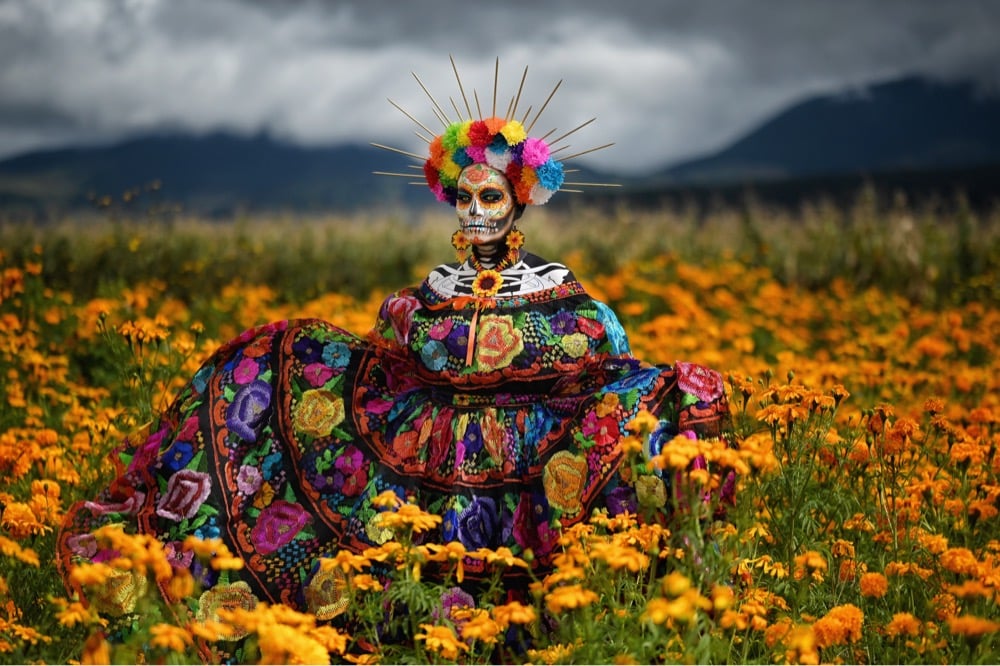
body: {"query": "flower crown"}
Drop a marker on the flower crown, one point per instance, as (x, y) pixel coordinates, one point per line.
(500, 142)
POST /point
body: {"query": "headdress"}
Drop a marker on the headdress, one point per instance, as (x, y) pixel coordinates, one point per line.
(501, 142)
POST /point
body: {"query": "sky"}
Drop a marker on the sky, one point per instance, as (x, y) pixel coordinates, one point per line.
(666, 80)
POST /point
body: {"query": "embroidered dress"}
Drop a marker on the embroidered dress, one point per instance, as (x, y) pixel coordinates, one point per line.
(502, 415)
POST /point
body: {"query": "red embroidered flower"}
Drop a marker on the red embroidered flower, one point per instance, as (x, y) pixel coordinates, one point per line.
(187, 490)
(701, 382)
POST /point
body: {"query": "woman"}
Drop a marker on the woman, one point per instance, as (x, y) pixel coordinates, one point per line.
(494, 395)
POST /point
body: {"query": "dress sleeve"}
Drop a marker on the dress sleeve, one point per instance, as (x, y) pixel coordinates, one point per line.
(614, 329)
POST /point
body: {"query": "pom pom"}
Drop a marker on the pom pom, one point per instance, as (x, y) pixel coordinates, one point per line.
(514, 132)
(494, 125)
(480, 134)
(476, 153)
(449, 173)
(498, 159)
(463, 133)
(431, 174)
(439, 192)
(550, 175)
(450, 137)
(461, 158)
(534, 152)
(540, 195)
(436, 150)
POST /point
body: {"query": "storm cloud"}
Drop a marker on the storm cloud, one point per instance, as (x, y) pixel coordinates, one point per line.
(666, 80)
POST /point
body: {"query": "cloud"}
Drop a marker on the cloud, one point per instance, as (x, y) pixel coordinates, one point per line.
(666, 80)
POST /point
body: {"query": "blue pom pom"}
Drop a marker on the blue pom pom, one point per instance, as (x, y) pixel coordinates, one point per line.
(550, 175)
(461, 158)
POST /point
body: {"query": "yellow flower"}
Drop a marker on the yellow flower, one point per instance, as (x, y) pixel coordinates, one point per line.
(513, 612)
(409, 516)
(481, 627)
(487, 283)
(20, 521)
(170, 637)
(441, 640)
(387, 499)
(620, 556)
(318, 413)
(841, 625)
(569, 597)
(74, 613)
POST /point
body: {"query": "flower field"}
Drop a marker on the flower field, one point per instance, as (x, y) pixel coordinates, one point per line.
(861, 359)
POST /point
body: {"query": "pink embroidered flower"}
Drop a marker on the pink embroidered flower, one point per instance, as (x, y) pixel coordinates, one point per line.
(317, 374)
(246, 371)
(129, 506)
(701, 382)
(277, 525)
(248, 480)
(186, 491)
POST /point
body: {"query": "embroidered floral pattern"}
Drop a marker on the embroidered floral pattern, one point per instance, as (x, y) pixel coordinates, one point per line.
(280, 441)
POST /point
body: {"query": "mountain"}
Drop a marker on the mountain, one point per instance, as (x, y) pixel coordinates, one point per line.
(911, 124)
(912, 134)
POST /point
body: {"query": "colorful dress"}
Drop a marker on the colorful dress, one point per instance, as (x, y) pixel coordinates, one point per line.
(501, 415)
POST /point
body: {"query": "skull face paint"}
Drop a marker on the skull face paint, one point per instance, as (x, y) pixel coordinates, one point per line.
(485, 205)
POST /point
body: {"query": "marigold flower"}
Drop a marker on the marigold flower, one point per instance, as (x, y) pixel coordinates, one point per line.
(346, 561)
(441, 640)
(480, 626)
(568, 597)
(902, 624)
(841, 625)
(960, 561)
(811, 563)
(513, 612)
(96, 650)
(972, 626)
(170, 637)
(409, 516)
(873, 585)
(20, 521)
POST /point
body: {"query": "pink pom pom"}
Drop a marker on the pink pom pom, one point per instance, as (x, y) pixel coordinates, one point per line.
(476, 153)
(438, 191)
(535, 152)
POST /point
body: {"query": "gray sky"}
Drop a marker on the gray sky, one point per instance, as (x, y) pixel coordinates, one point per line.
(666, 79)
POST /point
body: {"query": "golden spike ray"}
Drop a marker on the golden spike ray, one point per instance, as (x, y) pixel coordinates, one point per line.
(401, 152)
(443, 117)
(517, 98)
(419, 124)
(578, 127)
(539, 114)
(460, 88)
(584, 152)
(496, 80)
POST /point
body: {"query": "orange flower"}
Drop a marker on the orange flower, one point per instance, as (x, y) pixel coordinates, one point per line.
(874, 585)
(902, 624)
(441, 640)
(839, 626)
(170, 637)
(513, 612)
(971, 626)
(569, 597)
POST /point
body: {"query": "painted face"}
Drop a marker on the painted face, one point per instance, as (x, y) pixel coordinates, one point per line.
(485, 205)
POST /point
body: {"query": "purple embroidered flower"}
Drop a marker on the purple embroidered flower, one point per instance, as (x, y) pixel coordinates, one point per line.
(701, 382)
(307, 350)
(186, 491)
(84, 545)
(473, 439)
(129, 506)
(563, 323)
(177, 556)
(277, 525)
(478, 522)
(248, 409)
(452, 600)
(457, 341)
(622, 499)
(248, 480)
(449, 526)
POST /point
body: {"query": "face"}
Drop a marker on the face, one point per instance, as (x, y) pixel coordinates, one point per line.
(485, 205)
